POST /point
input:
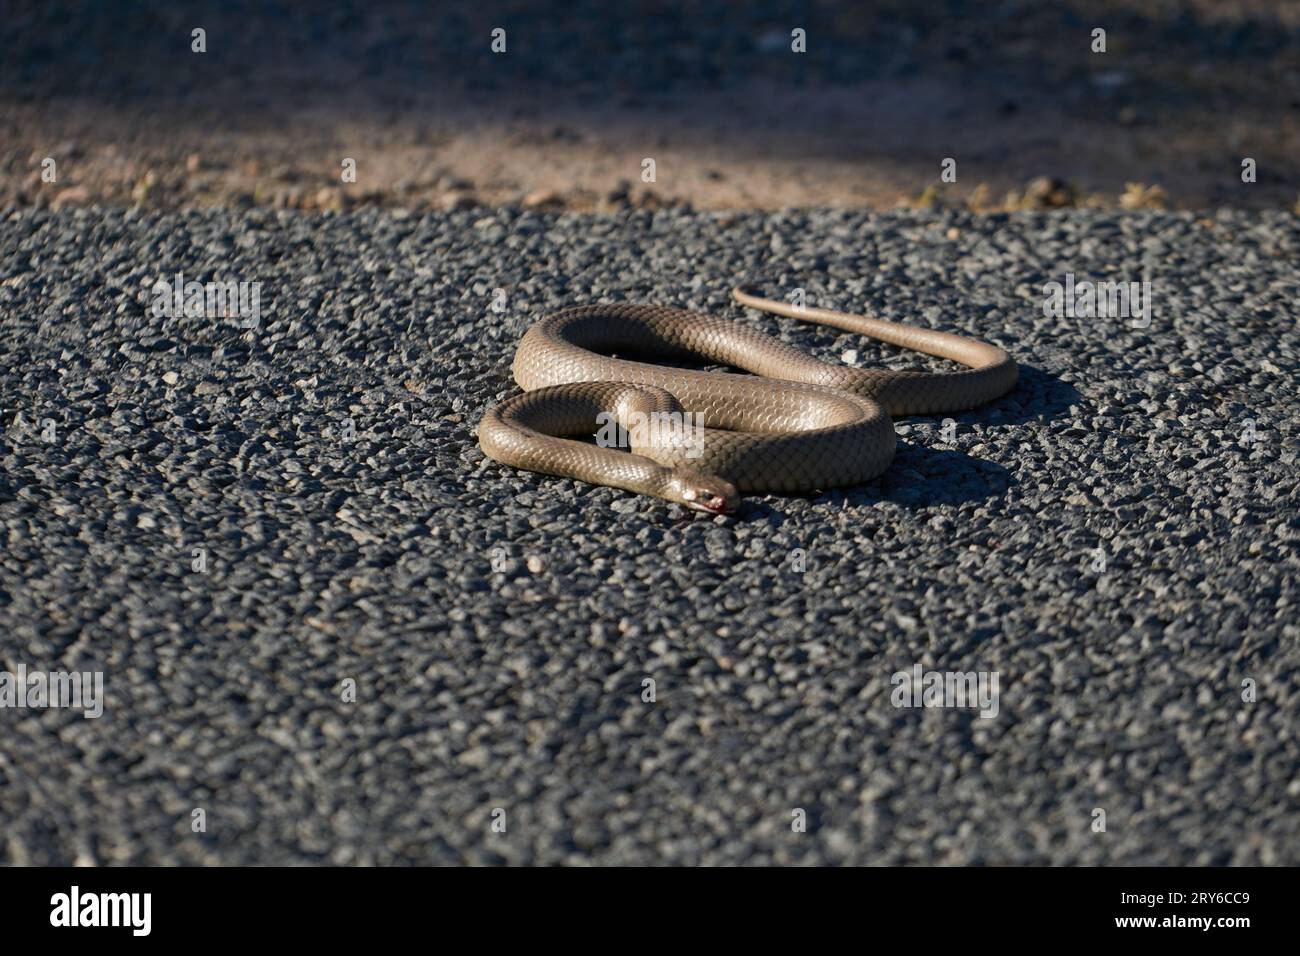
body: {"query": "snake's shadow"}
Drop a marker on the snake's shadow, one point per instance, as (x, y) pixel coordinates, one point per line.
(1038, 397)
(930, 470)
(921, 476)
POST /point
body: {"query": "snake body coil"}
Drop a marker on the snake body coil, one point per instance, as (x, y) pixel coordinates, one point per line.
(796, 424)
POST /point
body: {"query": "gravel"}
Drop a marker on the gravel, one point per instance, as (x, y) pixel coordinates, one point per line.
(1103, 539)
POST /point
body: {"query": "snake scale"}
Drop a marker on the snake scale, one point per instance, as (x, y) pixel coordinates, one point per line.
(795, 424)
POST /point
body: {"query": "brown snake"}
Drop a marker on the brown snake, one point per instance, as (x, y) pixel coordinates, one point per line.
(697, 437)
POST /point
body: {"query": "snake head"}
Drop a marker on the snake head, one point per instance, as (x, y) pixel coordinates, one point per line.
(707, 493)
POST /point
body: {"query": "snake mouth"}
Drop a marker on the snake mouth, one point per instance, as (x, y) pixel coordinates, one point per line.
(712, 505)
(708, 494)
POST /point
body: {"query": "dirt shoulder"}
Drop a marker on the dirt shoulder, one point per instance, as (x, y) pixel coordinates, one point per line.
(865, 118)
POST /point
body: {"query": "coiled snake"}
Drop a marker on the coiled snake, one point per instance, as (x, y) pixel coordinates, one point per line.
(796, 424)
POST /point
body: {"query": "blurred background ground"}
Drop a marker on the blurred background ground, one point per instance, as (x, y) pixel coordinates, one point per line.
(711, 91)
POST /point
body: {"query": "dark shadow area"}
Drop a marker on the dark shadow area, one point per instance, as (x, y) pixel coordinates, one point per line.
(114, 52)
(1038, 397)
(881, 92)
(919, 476)
(923, 475)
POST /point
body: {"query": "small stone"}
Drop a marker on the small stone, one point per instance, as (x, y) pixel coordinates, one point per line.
(144, 188)
(330, 197)
(72, 196)
(458, 200)
(618, 196)
(543, 199)
(1047, 192)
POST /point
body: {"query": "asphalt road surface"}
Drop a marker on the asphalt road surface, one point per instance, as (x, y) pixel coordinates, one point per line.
(244, 530)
